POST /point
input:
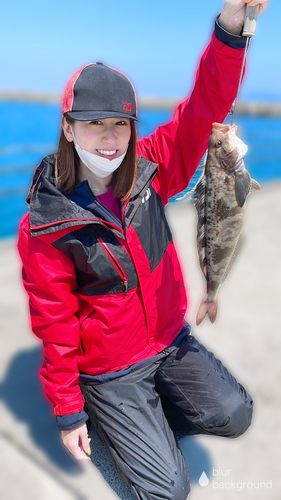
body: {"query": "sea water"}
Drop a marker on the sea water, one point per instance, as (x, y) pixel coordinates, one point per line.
(30, 131)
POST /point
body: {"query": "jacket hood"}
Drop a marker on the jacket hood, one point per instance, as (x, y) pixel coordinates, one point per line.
(51, 210)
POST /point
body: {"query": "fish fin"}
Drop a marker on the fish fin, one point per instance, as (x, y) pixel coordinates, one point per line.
(242, 186)
(200, 205)
(199, 189)
(192, 195)
(254, 186)
(207, 308)
(202, 255)
(233, 257)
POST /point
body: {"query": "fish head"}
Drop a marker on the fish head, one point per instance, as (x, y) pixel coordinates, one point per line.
(226, 146)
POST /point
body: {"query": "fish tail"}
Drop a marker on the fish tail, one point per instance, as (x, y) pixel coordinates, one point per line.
(207, 307)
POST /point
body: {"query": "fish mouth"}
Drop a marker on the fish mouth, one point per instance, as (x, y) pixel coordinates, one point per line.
(236, 166)
(235, 158)
(231, 161)
(224, 128)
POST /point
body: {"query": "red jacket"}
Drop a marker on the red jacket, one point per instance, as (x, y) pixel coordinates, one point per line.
(104, 295)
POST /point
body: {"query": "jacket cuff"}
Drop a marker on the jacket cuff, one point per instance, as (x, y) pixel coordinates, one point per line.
(69, 422)
(234, 41)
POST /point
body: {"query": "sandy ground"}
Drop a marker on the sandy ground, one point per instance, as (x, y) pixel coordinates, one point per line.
(246, 336)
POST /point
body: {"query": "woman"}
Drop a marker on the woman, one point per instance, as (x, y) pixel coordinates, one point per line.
(106, 291)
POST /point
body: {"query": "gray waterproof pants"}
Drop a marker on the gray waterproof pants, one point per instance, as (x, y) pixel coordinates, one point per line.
(137, 415)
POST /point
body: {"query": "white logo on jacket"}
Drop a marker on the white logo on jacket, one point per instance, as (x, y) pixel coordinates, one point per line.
(147, 195)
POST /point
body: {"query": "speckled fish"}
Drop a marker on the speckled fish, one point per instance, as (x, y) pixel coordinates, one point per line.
(220, 202)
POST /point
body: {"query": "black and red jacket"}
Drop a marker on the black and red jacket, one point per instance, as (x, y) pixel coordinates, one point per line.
(105, 294)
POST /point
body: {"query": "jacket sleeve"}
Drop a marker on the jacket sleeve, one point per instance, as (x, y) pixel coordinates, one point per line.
(49, 279)
(178, 147)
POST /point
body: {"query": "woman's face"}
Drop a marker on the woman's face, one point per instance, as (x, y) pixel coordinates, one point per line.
(108, 137)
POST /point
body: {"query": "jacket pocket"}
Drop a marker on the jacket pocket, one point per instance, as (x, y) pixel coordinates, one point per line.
(120, 270)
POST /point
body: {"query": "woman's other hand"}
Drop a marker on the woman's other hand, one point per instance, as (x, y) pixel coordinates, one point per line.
(77, 442)
(233, 14)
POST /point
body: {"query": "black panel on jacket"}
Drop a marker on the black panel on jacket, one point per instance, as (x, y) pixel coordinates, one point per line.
(152, 228)
(96, 274)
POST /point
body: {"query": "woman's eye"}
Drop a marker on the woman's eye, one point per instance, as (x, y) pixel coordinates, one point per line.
(95, 122)
(122, 122)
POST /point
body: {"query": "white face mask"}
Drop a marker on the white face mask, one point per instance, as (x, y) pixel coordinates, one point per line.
(101, 167)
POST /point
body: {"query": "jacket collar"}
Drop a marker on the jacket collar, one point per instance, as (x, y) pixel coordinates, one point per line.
(51, 210)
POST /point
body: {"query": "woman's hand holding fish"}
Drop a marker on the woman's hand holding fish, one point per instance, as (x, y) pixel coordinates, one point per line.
(233, 14)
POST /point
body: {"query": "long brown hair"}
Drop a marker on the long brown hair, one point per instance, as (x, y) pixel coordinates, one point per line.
(67, 164)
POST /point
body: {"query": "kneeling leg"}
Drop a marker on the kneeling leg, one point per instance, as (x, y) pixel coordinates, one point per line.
(199, 394)
(129, 418)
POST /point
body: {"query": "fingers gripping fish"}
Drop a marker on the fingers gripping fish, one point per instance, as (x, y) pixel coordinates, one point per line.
(220, 202)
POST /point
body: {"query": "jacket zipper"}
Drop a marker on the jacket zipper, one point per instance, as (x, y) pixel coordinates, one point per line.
(116, 264)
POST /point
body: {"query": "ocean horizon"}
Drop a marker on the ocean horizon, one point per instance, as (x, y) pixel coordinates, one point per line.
(31, 131)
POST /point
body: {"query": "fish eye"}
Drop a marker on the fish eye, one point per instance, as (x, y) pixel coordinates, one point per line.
(218, 144)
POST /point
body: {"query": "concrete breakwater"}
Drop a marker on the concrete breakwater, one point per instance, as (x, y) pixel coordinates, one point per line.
(247, 108)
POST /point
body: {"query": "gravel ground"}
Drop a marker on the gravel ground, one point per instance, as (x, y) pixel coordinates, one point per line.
(246, 337)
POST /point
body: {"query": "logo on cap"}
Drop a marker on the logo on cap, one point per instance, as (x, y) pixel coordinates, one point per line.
(127, 106)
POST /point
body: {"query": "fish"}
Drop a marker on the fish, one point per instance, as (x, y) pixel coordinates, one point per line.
(220, 197)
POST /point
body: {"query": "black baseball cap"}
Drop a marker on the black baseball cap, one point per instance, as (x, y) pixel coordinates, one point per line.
(97, 91)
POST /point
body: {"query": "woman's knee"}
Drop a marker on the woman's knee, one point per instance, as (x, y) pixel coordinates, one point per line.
(177, 489)
(180, 489)
(233, 418)
(239, 419)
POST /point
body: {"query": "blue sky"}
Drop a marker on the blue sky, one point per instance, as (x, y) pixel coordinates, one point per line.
(157, 44)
